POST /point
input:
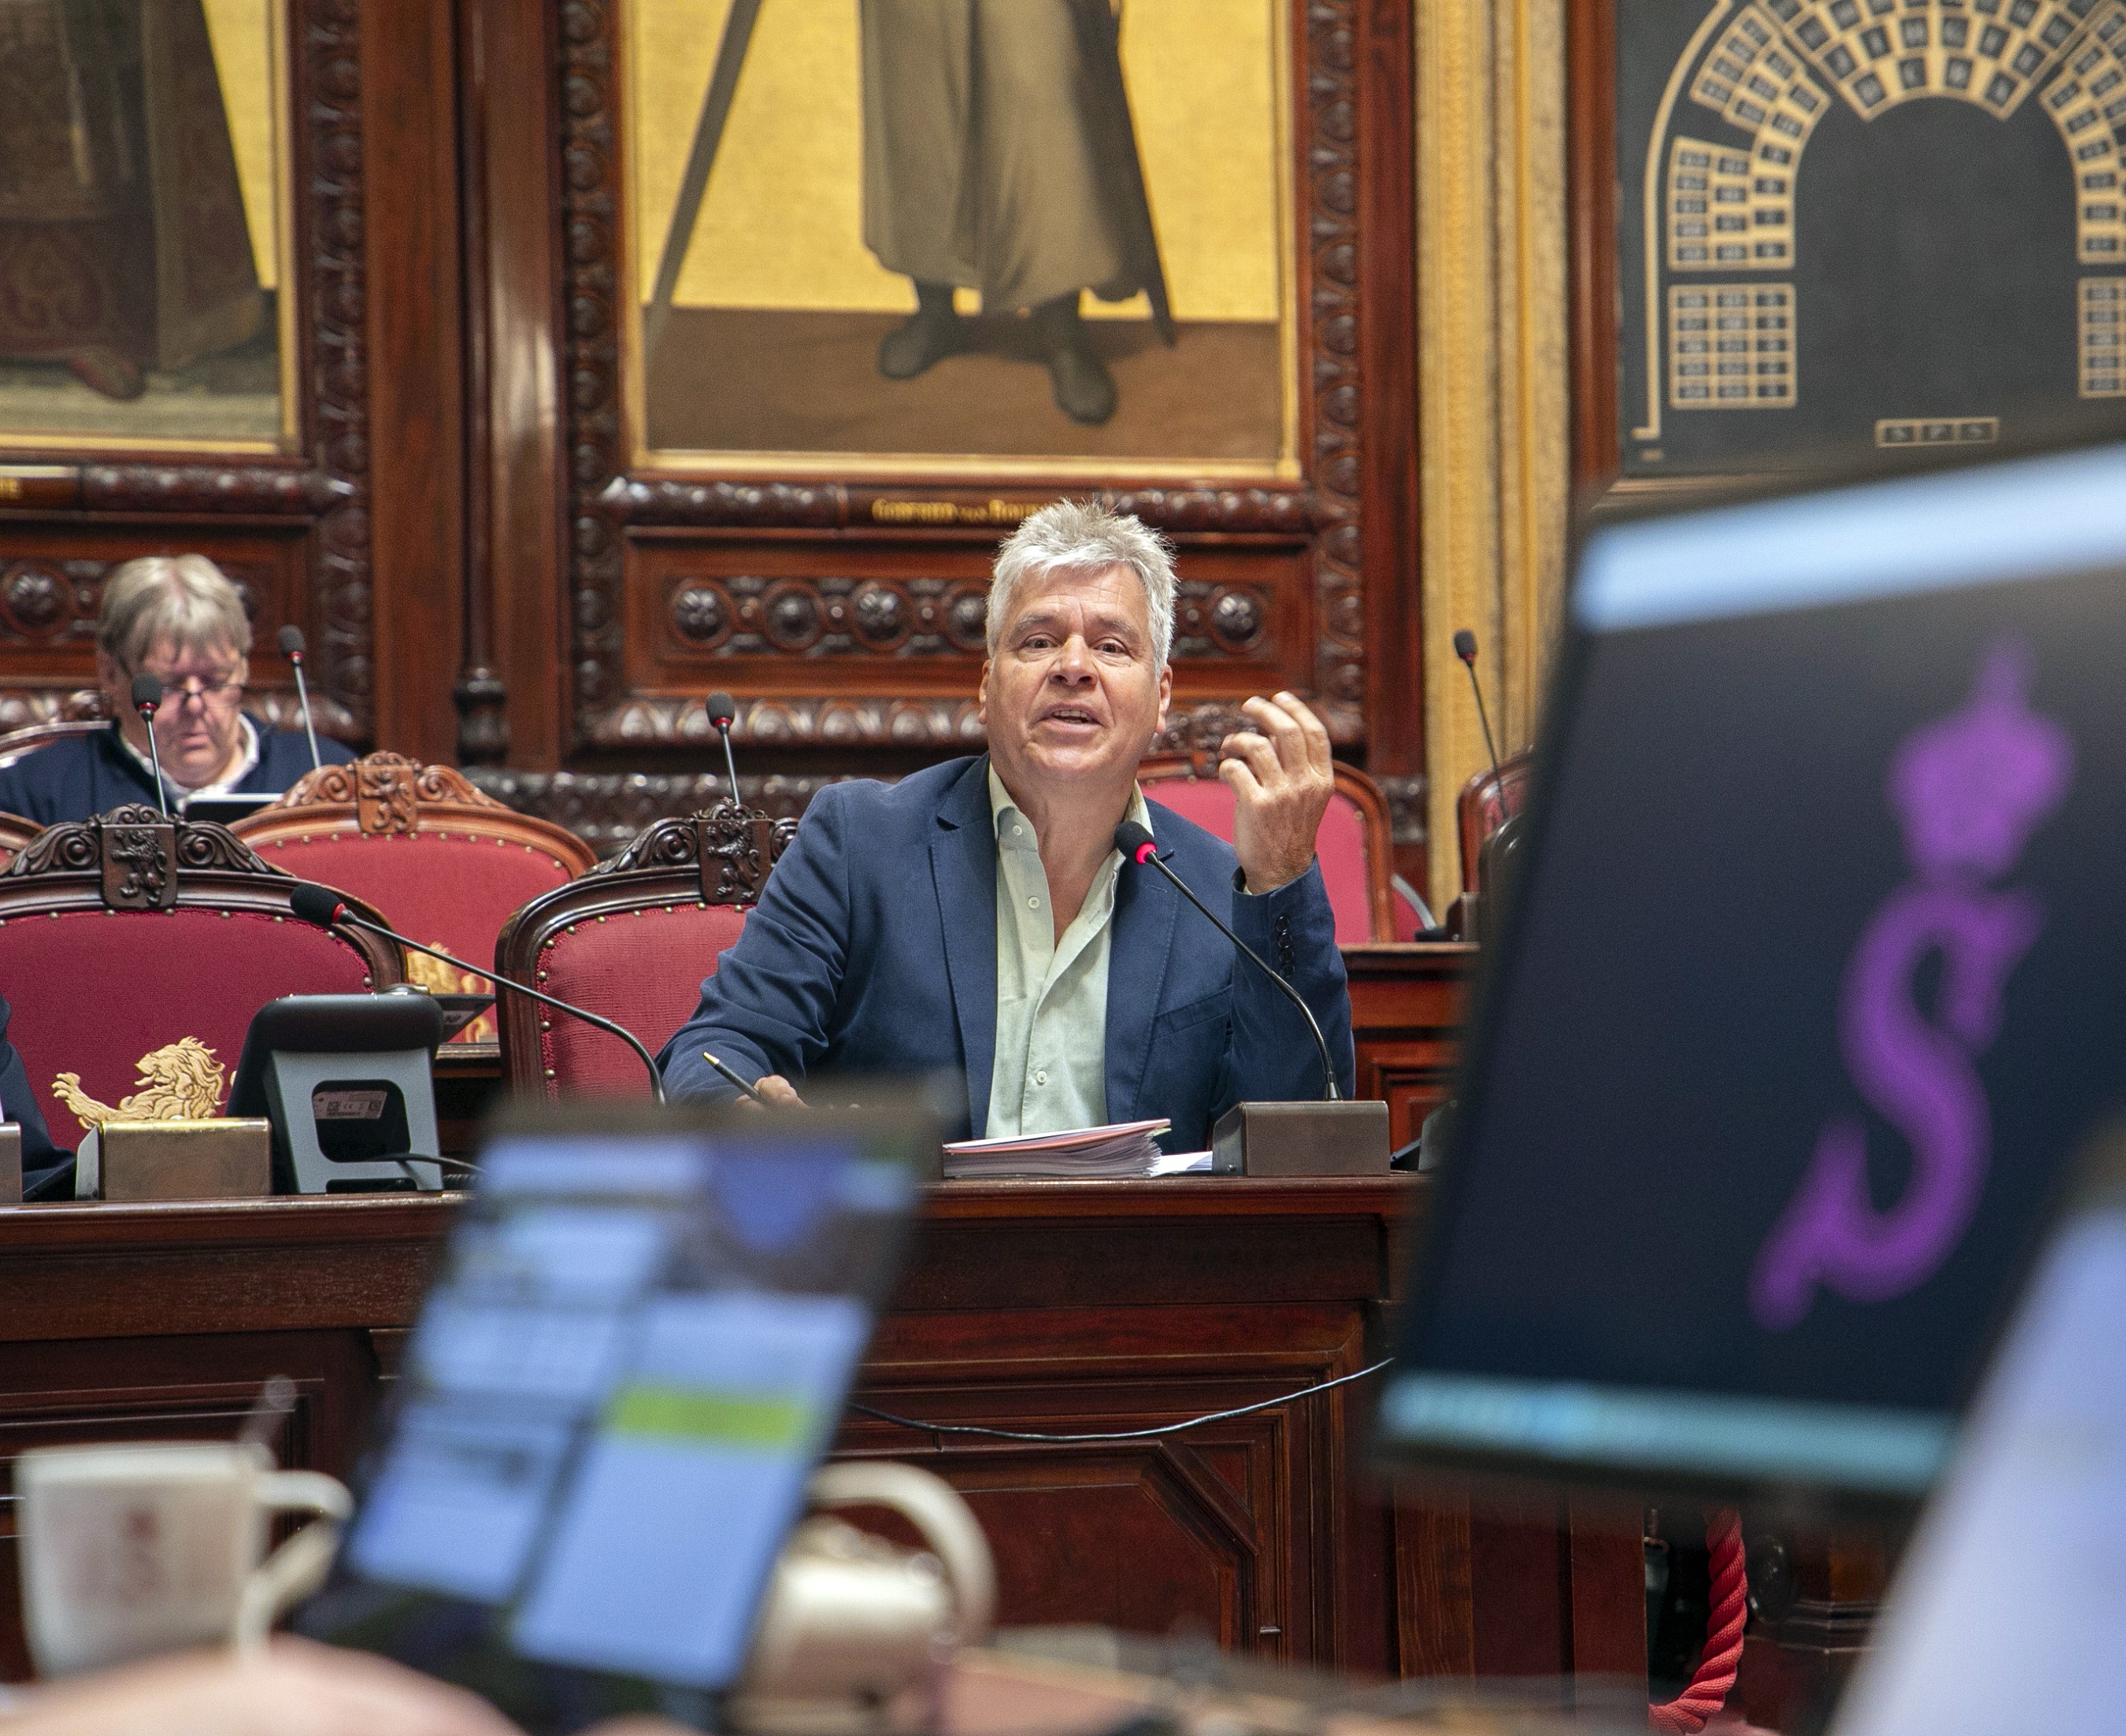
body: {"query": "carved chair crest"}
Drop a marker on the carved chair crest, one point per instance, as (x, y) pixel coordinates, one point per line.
(139, 853)
(386, 791)
(734, 849)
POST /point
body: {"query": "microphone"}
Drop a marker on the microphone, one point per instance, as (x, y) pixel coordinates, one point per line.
(723, 713)
(1499, 851)
(325, 908)
(291, 647)
(147, 701)
(1464, 648)
(1136, 845)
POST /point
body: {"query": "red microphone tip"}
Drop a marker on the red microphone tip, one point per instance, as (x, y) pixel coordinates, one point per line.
(1145, 851)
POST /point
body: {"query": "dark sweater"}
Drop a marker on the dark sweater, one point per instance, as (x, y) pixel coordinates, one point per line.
(89, 775)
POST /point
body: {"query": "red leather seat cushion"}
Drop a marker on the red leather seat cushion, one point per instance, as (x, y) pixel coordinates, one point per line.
(1341, 844)
(95, 990)
(453, 890)
(643, 970)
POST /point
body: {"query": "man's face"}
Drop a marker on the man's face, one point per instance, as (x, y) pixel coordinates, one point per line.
(1074, 692)
(195, 732)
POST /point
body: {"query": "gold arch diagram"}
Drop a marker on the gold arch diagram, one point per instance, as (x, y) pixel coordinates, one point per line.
(1721, 216)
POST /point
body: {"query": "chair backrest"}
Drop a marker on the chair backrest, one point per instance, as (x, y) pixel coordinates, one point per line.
(1352, 843)
(445, 862)
(632, 940)
(1482, 807)
(133, 952)
(16, 743)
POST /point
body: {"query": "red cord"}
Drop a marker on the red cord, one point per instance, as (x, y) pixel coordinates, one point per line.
(1686, 1714)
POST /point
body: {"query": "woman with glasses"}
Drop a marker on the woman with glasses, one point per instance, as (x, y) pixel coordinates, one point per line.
(174, 616)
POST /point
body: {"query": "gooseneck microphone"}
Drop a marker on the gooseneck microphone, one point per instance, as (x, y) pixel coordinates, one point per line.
(1136, 845)
(291, 647)
(1464, 648)
(325, 908)
(723, 713)
(148, 700)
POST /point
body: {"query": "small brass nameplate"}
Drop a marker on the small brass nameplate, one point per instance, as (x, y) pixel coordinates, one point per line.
(186, 1160)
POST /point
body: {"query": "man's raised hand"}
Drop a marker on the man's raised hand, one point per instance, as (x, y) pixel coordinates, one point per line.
(1281, 779)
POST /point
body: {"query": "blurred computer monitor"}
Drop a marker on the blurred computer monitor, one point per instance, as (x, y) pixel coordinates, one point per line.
(1815, 972)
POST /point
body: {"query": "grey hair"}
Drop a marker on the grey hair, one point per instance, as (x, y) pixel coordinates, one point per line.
(184, 600)
(1083, 537)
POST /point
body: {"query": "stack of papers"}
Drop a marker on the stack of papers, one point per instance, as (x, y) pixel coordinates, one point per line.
(1122, 1151)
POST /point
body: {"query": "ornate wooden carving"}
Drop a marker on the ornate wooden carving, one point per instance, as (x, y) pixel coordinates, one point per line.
(137, 853)
(386, 791)
(849, 625)
(732, 849)
(608, 809)
(746, 615)
(332, 215)
(136, 846)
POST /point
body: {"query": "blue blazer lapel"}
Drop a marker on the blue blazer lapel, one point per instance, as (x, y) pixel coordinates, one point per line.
(1139, 941)
(963, 869)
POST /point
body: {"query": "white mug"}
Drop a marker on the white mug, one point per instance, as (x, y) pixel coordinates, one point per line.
(129, 1550)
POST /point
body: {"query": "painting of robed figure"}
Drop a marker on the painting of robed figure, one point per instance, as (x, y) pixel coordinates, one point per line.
(140, 217)
(965, 228)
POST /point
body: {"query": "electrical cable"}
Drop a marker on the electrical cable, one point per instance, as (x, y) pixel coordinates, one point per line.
(1131, 1434)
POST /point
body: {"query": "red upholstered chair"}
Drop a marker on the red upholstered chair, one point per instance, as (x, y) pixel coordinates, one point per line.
(1354, 843)
(444, 862)
(632, 940)
(128, 945)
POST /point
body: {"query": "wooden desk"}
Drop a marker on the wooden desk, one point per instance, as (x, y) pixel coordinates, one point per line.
(1409, 1001)
(1043, 1306)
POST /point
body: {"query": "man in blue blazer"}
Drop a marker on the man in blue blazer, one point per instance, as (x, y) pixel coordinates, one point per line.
(977, 917)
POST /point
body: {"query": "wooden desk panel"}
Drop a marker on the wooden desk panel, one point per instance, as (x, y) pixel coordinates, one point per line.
(1409, 1001)
(1048, 1306)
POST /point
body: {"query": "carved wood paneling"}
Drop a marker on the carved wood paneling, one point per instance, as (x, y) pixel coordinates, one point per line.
(301, 518)
(850, 690)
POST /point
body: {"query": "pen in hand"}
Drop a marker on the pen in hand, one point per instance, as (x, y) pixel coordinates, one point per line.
(733, 1078)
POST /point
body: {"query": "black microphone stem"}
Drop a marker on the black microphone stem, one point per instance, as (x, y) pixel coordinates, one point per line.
(627, 1036)
(1483, 717)
(155, 759)
(731, 765)
(1329, 1093)
(303, 699)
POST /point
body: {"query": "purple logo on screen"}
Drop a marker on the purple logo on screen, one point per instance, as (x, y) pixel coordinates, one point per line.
(1968, 789)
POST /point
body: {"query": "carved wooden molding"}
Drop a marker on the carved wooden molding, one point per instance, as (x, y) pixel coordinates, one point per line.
(137, 852)
(606, 501)
(746, 615)
(23, 708)
(732, 849)
(385, 790)
(610, 810)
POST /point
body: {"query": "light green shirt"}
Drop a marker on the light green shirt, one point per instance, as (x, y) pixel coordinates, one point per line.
(1051, 1011)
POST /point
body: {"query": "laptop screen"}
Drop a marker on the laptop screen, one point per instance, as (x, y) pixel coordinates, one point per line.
(1816, 970)
(638, 1346)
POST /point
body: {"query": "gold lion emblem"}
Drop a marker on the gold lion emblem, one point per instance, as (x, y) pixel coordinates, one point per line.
(180, 1082)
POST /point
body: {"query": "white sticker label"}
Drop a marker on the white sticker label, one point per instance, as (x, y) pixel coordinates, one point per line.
(348, 1106)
